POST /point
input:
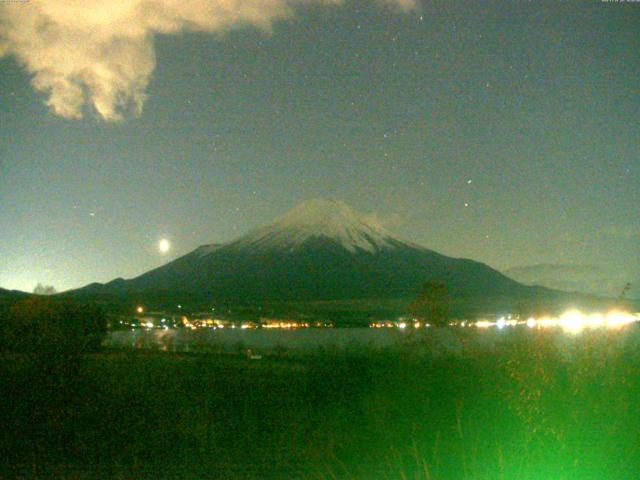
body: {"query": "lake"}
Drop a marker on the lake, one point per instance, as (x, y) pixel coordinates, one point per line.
(318, 340)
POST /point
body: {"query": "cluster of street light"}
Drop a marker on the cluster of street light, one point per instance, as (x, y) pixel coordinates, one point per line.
(572, 321)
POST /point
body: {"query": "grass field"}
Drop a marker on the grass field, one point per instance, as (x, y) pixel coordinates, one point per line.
(528, 409)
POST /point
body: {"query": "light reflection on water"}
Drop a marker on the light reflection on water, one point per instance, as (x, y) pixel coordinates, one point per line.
(319, 340)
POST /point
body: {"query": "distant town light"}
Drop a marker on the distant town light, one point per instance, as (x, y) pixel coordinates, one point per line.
(140, 309)
(617, 319)
(571, 321)
(484, 324)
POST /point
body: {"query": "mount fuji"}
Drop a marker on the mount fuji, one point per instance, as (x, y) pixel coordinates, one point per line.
(321, 251)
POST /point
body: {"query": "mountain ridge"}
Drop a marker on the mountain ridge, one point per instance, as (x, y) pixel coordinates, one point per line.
(592, 279)
(320, 251)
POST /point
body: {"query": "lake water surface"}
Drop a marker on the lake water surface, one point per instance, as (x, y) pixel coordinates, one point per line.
(314, 340)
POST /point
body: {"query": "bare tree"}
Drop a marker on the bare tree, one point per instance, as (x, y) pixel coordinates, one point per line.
(433, 304)
(44, 289)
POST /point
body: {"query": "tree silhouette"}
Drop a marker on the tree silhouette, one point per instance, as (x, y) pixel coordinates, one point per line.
(433, 304)
(44, 289)
(45, 325)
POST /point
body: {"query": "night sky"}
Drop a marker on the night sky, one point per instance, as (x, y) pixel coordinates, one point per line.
(506, 132)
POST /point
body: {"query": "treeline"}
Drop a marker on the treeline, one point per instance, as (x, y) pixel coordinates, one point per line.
(50, 325)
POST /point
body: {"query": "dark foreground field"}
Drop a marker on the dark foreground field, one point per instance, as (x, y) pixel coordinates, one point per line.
(526, 411)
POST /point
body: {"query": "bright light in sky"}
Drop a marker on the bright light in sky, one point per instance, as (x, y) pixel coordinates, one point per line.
(137, 62)
(164, 245)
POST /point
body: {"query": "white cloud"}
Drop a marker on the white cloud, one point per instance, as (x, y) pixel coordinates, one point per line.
(100, 52)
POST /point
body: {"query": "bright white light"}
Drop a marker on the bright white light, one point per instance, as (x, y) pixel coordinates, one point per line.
(547, 322)
(572, 321)
(595, 320)
(617, 319)
(163, 245)
(484, 324)
(575, 321)
(402, 325)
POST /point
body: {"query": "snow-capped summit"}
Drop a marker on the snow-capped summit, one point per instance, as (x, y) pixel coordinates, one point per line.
(317, 219)
(319, 251)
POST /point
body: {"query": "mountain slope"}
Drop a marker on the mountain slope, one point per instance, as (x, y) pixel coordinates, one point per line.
(592, 279)
(9, 297)
(319, 251)
(13, 293)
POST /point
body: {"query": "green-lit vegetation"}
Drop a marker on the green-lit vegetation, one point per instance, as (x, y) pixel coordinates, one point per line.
(529, 409)
(47, 328)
